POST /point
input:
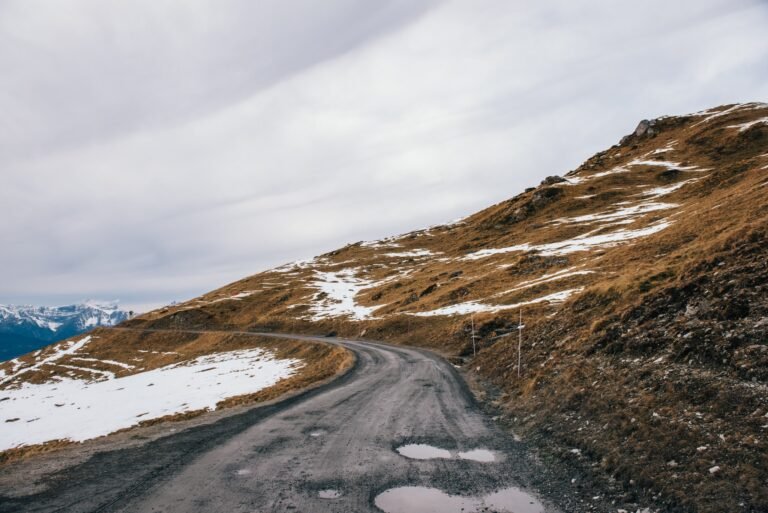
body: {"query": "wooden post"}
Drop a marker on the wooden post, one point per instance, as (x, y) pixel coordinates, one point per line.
(519, 343)
(474, 347)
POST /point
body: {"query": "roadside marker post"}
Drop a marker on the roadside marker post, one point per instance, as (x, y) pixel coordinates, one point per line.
(520, 327)
(474, 347)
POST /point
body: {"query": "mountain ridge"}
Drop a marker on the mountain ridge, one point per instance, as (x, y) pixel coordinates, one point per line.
(25, 328)
(641, 278)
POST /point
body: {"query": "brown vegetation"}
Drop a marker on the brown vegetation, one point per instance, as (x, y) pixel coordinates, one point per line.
(655, 368)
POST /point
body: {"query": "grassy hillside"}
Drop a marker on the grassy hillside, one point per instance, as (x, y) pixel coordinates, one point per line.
(641, 277)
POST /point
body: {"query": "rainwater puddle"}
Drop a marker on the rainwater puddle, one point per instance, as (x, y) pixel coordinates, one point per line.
(428, 452)
(419, 499)
(423, 452)
(482, 455)
(329, 494)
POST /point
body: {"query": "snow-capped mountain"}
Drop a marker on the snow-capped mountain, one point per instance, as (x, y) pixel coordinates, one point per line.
(24, 328)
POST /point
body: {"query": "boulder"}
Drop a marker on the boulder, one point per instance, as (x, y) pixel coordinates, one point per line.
(551, 180)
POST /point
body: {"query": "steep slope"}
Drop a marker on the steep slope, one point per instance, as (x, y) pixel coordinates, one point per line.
(641, 277)
(27, 328)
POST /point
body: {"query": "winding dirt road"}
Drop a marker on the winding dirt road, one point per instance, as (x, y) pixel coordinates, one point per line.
(332, 449)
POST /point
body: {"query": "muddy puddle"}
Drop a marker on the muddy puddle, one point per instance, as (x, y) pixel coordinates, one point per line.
(482, 455)
(329, 494)
(423, 452)
(419, 499)
(428, 452)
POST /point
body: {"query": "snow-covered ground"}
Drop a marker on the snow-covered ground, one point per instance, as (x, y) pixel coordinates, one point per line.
(469, 307)
(584, 242)
(746, 126)
(336, 296)
(621, 214)
(416, 253)
(79, 410)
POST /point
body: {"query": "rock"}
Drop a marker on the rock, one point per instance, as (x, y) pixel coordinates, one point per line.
(642, 128)
(547, 195)
(410, 299)
(429, 290)
(551, 180)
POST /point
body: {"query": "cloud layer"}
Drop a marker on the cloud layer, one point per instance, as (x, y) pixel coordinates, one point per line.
(155, 150)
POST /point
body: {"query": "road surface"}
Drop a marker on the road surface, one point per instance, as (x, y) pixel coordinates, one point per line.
(331, 450)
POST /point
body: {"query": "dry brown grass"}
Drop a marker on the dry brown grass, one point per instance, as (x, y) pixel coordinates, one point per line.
(590, 363)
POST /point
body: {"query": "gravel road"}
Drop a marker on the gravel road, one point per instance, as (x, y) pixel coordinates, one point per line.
(333, 449)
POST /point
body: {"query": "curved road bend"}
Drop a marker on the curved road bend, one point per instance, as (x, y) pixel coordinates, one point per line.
(341, 436)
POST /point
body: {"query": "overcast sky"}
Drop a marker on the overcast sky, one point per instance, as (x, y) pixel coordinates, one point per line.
(152, 150)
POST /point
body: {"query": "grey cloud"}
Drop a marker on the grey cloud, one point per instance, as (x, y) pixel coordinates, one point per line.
(152, 160)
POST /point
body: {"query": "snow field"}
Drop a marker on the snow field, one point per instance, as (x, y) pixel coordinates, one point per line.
(77, 410)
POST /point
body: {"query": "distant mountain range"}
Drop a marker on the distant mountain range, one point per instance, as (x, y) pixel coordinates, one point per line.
(27, 328)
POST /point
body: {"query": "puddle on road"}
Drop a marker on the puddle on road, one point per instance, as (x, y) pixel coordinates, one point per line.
(481, 455)
(419, 499)
(423, 452)
(428, 452)
(513, 499)
(329, 494)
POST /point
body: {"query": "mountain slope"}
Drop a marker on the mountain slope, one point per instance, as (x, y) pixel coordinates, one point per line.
(641, 277)
(27, 328)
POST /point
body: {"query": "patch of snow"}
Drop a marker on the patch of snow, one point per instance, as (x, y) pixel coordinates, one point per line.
(103, 373)
(669, 147)
(657, 192)
(236, 297)
(91, 322)
(297, 265)
(340, 289)
(410, 254)
(626, 168)
(583, 242)
(559, 275)
(746, 126)
(78, 410)
(629, 213)
(59, 352)
(110, 362)
(573, 180)
(665, 164)
(710, 115)
(388, 242)
(476, 306)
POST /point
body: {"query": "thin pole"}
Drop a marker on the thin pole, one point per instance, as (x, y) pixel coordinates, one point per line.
(474, 348)
(519, 342)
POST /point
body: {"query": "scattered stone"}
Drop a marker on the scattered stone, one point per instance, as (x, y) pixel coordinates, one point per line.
(551, 180)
